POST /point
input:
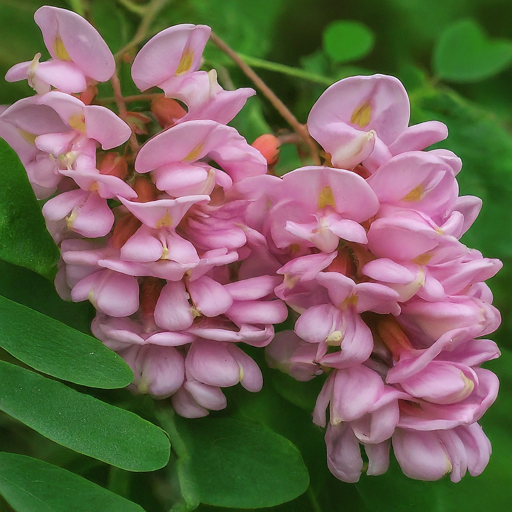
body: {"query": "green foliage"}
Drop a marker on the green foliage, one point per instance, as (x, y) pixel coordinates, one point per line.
(465, 54)
(111, 22)
(58, 350)
(239, 464)
(30, 485)
(24, 238)
(81, 422)
(33, 290)
(345, 41)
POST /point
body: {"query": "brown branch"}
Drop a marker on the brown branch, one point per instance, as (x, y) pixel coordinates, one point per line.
(269, 94)
(123, 113)
(131, 99)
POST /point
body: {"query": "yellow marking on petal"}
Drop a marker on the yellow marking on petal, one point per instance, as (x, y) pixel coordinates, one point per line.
(165, 221)
(362, 115)
(29, 137)
(349, 301)
(194, 154)
(187, 58)
(326, 198)
(439, 231)
(290, 281)
(31, 73)
(422, 259)
(469, 385)
(195, 312)
(143, 387)
(415, 194)
(449, 466)
(294, 249)
(60, 50)
(77, 122)
(334, 339)
(70, 219)
(165, 254)
(240, 372)
(94, 187)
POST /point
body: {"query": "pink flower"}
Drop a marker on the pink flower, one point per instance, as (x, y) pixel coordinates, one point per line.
(79, 54)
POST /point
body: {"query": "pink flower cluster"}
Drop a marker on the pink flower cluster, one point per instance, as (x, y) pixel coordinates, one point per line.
(389, 301)
(155, 242)
(187, 246)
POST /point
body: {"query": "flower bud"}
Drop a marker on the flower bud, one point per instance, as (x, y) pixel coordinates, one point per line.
(393, 336)
(113, 165)
(137, 122)
(268, 145)
(145, 189)
(166, 111)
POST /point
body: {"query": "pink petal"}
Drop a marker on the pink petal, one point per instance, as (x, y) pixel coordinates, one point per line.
(420, 454)
(79, 39)
(366, 103)
(173, 51)
(209, 296)
(211, 363)
(173, 311)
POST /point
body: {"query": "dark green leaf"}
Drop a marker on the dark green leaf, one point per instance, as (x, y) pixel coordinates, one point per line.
(58, 350)
(30, 485)
(24, 239)
(81, 422)
(240, 464)
(465, 54)
(35, 291)
(345, 41)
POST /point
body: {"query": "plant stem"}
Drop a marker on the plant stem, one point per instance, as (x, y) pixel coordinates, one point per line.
(269, 94)
(287, 70)
(148, 15)
(135, 8)
(121, 105)
(130, 99)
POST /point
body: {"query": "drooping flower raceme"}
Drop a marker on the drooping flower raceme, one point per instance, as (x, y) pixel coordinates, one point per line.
(391, 303)
(188, 247)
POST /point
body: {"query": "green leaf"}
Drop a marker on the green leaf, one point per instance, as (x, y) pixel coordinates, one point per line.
(111, 23)
(24, 239)
(81, 422)
(58, 350)
(240, 464)
(345, 41)
(465, 54)
(36, 292)
(30, 485)
(489, 491)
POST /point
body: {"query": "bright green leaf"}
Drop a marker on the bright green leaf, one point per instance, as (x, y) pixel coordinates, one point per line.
(240, 464)
(30, 485)
(24, 239)
(81, 422)
(345, 41)
(58, 350)
(465, 54)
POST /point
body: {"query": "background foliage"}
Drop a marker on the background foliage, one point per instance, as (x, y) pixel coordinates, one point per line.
(85, 445)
